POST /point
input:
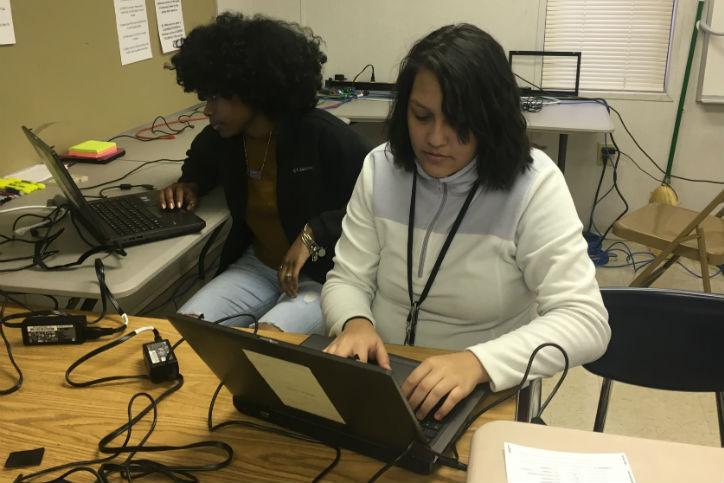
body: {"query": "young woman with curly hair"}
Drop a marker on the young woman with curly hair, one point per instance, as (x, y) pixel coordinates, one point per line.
(460, 236)
(287, 169)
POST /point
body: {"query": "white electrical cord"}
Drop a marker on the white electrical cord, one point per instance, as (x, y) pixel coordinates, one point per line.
(29, 207)
(22, 230)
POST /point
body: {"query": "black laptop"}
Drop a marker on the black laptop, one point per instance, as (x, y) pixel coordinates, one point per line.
(120, 220)
(340, 401)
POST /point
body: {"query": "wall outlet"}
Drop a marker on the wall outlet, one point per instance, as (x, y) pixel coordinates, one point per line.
(605, 154)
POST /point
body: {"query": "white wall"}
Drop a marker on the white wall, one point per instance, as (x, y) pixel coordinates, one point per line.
(381, 31)
(289, 10)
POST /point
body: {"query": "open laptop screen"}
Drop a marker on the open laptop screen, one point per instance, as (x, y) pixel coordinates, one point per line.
(60, 173)
(546, 73)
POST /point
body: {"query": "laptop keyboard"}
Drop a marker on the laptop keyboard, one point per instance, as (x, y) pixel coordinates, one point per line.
(127, 215)
(430, 427)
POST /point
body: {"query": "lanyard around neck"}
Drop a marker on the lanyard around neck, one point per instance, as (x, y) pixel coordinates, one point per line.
(415, 306)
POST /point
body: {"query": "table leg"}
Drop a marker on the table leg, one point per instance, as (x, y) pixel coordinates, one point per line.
(562, 146)
(529, 401)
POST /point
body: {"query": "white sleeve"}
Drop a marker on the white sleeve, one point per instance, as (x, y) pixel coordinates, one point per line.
(553, 258)
(351, 284)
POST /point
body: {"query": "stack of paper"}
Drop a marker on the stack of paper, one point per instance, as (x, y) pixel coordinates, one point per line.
(531, 465)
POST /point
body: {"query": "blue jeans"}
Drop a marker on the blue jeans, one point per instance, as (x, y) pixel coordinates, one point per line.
(248, 286)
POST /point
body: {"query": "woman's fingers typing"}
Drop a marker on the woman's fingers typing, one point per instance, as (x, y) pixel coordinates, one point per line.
(178, 195)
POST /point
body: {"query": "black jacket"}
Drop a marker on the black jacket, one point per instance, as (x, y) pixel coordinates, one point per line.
(319, 158)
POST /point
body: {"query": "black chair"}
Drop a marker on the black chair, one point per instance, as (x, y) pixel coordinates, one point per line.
(663, 339)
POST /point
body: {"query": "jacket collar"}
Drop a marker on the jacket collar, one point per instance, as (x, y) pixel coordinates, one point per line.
(457, 183)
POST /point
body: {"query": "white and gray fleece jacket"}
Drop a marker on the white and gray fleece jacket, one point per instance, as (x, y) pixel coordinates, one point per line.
(516, 275)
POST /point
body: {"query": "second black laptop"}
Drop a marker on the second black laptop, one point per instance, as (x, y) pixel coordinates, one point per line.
(340, 401)
(121, 220)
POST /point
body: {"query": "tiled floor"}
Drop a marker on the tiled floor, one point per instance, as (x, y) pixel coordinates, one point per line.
(633, 411)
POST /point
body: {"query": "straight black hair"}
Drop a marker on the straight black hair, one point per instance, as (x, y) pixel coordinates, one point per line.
(480, 99)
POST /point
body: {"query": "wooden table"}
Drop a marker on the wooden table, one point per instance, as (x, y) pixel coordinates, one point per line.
(69, 422)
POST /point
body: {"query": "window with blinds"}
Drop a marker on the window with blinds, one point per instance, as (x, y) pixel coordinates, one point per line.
(624, 44)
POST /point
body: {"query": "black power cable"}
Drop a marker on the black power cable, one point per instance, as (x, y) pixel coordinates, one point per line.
(107, 295)
(273, 430)
(372, 76)
(104, 348)
(523, 380)
(8, 348)
(254, 322)
(616, 187)
(41, 251)
(83, 465)
(201, 274)
(131, 469)
(41, 245)
(140, 166)
(390, 464)
(140, 468)
(596, 199)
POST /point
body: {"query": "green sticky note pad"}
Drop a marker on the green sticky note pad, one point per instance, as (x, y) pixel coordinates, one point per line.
(93, 147)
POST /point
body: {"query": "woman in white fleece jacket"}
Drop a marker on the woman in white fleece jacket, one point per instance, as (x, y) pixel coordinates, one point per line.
(460, 236)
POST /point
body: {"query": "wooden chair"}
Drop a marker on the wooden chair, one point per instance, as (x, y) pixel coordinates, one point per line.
(663, 339)
(676, 232)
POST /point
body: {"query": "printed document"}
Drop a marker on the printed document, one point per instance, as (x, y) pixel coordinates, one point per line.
(531, 465)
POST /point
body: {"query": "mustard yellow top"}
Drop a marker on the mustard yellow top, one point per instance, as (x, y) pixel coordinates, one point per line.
(262, 213)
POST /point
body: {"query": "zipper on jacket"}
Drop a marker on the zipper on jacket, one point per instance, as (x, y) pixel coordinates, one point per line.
(421, 265)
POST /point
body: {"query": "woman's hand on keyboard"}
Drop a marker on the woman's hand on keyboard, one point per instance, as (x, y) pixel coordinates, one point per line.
(359, 340)
(178, 195)
(453, 375)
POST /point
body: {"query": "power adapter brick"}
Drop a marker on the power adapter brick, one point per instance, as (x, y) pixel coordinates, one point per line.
(54, 329)
(160, 361)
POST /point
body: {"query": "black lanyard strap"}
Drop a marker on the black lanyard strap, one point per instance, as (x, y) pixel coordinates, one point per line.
(415, 305)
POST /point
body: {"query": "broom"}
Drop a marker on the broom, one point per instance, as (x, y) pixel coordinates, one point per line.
(665, 194)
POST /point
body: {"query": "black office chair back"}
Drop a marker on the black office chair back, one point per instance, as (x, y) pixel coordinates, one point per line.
(664, 339)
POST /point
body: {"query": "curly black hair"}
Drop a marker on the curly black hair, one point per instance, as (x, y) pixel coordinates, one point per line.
(273, 66)
(480, 98)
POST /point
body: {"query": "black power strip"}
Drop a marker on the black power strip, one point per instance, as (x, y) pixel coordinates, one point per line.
(360, 86)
